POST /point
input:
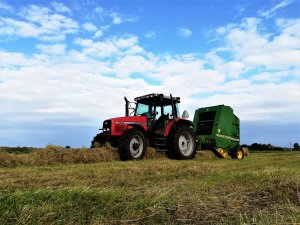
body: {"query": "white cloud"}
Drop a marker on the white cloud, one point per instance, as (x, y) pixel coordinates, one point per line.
(184, 32)
(109, 47)
(271, 12)
(150, 34)
(5, 6)
(118, 18)
(60, 7)
(125, 42)
(240, 9)
(38, 22)
(255, 48)
(133, 64)
(101, 30)
(57, 49)
(99, 10)
(289, 27)
(98, 33)
(9, 59)
(270, 76)
(63, 90)
(89, 27)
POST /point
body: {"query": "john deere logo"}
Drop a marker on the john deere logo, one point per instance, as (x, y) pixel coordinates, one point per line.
(227, 137)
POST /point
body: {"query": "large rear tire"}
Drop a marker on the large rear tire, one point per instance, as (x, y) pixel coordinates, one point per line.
(132, 145)
(182, 144)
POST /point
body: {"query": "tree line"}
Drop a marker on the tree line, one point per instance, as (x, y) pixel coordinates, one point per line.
(270, 147)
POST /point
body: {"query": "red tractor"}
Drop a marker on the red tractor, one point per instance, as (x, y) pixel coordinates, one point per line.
(155, 123)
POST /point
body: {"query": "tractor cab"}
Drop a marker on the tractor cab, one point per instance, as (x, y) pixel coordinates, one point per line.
(159, 110)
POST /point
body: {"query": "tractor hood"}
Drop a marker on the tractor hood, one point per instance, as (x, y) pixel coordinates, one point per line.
(129, 120)
(117, 126)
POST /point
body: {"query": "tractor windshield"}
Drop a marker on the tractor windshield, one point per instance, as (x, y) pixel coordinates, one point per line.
(141, 109)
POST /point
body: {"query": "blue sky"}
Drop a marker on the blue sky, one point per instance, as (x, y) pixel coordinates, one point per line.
(65, 66)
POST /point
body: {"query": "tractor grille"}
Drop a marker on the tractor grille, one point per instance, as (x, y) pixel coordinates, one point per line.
(107, 126)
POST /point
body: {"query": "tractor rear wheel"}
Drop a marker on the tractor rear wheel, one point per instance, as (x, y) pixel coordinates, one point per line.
(132, 145)
(182, 144)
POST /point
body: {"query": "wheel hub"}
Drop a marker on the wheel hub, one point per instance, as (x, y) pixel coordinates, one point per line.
(186, 144)
(136, 146)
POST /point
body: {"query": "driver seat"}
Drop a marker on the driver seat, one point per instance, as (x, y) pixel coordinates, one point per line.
(161, 123)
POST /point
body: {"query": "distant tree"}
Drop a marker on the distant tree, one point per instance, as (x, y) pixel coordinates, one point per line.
(296, 146)
(255, 146)
(270, 147)
(264, 147)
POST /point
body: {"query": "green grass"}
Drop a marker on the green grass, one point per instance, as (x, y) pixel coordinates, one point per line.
(264, 188)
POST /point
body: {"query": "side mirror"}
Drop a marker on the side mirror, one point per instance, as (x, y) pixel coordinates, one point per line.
(185, 114)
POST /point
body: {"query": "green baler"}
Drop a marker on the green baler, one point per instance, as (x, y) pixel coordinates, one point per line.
(218, 129)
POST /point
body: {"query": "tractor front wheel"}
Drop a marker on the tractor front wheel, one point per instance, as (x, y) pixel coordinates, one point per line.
(132, 145)
(182, 144)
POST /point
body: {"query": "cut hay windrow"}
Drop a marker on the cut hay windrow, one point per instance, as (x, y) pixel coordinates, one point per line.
(53, 154)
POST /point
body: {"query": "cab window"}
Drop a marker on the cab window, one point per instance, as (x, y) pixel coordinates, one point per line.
(141, 109)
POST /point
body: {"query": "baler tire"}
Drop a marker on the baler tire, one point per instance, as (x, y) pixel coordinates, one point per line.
(182, 144)
(132, 145)
(239, 154)
(98, 141)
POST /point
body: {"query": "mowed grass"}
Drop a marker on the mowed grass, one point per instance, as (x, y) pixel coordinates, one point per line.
(264, 188)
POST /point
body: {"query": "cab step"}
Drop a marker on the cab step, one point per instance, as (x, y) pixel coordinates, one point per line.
(160, 142)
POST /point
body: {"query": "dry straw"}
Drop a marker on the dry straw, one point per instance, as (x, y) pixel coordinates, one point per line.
(53, 154)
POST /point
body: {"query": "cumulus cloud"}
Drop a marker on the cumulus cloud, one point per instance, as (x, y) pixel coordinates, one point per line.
(271, 12)
(60, 7)
(108, 47)
(89, 27)
(270, 76)
(118, 18)
(38, 22)
(185, 32)
(252, 47)
(150, 34)
(5, 6)
(57, 49)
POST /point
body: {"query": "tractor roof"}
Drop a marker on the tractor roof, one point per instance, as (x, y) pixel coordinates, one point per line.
(161, 99)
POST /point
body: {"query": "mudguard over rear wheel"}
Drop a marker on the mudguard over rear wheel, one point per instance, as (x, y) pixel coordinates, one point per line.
(132, 145)
(182, 144)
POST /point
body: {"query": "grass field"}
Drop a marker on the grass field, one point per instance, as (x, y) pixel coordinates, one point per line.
(264, 188)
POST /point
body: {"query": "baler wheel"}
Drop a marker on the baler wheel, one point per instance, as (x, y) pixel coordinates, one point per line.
(239, 154)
